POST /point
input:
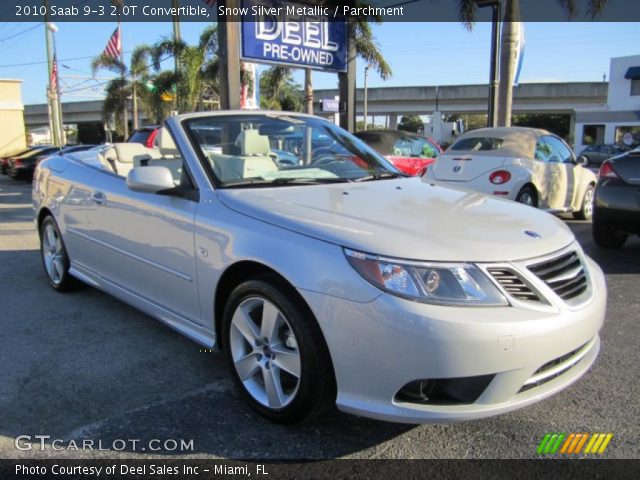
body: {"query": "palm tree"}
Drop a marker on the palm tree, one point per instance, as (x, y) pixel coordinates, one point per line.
(198, 66)
(278, 91)
(130, 82)
(509, 41)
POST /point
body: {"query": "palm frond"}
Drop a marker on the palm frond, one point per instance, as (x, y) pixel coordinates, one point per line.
(467, 13)
(596, 7)
(108, 63)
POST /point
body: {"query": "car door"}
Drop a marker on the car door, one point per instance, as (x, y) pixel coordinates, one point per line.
(144, 243)
(563, 173)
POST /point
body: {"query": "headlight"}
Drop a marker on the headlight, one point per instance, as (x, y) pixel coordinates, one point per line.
(438, 283)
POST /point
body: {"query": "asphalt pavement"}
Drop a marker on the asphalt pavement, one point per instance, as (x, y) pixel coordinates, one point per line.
(84, 365)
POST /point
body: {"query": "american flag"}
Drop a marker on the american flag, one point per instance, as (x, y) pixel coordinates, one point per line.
(53, 81)
(211, 3)
(114, 45)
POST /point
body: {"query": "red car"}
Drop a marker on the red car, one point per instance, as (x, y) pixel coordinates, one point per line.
(409, 152)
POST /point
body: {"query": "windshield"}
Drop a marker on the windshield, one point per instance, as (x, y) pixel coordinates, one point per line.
(282, 149)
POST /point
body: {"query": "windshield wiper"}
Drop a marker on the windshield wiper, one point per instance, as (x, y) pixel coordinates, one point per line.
(380, 176)
(261, 182)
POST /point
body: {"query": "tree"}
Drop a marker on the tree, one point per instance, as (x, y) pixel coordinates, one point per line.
(131, 80)
(411, 123)
(198, 67)
(278, 91)
(509, 40)
(555, 123)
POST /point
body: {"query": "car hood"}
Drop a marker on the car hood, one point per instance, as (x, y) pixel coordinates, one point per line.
(406, 218)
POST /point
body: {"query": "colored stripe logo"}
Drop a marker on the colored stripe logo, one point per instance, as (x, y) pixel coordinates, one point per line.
(574, 443)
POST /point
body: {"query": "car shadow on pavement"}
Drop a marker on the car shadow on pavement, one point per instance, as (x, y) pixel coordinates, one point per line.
(84, 365)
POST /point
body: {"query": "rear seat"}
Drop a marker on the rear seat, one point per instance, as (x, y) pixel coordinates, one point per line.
(124, 156)
(169, 154)
(255, 158)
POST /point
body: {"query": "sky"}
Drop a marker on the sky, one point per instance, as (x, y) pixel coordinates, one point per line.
(423, 54)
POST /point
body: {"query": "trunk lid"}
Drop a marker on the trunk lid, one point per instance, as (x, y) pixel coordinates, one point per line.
(465, 166)
(628, 167)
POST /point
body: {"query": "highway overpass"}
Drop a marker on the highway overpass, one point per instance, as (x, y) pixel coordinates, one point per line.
(393, 102)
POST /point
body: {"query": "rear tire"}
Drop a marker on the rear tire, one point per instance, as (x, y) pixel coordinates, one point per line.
(276, 352)
(586, 208)
(527, 196)
(606, 236)
(55, 259)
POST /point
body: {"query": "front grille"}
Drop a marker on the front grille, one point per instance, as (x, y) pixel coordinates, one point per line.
(565, 275)
(513, 284)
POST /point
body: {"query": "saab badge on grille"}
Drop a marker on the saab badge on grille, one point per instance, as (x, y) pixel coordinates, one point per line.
(532, 234)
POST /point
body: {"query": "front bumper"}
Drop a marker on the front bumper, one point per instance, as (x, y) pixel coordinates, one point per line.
(379, 347)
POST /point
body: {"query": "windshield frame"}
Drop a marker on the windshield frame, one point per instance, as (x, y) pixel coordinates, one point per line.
(190, 124)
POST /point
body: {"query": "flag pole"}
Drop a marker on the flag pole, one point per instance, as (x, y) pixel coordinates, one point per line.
(57, 92)
(125, 113)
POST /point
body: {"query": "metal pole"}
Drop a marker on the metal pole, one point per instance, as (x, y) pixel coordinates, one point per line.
(229, 52)
(57, 93)
(347, 84)
(176, 34)
(54, 118)
(366, 72)
(125, 111)
(495, 54)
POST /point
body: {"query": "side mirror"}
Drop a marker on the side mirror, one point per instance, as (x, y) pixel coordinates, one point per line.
(150, 179)
(582, 160)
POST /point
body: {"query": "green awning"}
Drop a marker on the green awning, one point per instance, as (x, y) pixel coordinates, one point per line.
(633, 73)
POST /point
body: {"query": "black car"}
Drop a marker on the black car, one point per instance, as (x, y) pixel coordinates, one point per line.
(616, 209)
(24, 165)
(596, 154)
(76, 148)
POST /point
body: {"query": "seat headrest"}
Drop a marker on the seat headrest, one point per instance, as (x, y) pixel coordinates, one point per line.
(128, 152)
(164, 142)
(252, 143)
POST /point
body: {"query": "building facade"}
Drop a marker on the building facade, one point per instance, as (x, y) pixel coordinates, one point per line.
(619, 120)
(12, 134)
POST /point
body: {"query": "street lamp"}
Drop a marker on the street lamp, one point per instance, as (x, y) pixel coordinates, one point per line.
(496, 10)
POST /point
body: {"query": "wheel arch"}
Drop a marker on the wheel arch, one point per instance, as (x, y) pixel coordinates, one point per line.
(42, 214)
(244, 270)
(533, 187)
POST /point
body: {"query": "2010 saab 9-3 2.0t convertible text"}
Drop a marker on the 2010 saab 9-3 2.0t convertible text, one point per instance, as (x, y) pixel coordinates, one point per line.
(330, 280)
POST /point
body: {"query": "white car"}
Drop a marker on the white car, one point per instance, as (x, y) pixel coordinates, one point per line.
(527, 165)
(335, 281)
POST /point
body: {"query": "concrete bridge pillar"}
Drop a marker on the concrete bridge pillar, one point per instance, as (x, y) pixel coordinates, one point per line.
(393, 121)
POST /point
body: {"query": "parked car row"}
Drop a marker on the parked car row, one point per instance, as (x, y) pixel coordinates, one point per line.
(594, 155)
(334, 279)
(22, 163)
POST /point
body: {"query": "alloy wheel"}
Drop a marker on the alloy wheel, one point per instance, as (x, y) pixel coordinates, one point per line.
(53, 254)
(265, 353)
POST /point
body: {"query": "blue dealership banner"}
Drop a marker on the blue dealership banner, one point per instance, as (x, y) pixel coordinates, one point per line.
(276, 31)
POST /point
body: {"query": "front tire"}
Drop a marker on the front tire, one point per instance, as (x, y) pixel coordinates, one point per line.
(276, 352)
(586, 208)
(55, 259)
(606, 236)
(527, 196)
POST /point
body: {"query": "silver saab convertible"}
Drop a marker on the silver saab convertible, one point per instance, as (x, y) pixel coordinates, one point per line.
(328, 279)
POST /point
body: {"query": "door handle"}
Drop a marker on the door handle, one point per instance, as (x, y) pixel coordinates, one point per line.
(99, 198)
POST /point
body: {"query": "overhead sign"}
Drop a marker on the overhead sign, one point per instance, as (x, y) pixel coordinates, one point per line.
(275, 31)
